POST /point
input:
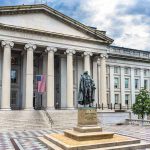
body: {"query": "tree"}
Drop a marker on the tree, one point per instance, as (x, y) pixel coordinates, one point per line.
(142, 105)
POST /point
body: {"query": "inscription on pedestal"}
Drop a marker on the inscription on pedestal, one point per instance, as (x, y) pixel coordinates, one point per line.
(87, 116)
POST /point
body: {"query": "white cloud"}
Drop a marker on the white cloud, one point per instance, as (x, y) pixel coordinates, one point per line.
(110, 15)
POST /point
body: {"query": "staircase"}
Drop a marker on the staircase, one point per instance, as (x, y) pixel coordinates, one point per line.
(23, 120)
(63, 119)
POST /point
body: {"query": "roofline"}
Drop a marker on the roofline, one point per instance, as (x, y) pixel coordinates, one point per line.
(30, 30)
(125, 48)
(7, 9)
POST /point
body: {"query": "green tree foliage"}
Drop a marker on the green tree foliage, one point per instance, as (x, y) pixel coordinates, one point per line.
(142, 104)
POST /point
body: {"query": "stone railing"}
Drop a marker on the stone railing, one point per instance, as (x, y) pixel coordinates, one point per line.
(129, 52)
(138, 122)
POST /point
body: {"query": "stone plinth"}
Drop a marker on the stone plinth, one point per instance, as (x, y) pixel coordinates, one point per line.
(87, 129)
(87, 117)
(88, 135)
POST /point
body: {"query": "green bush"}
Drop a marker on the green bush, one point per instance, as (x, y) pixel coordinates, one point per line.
(142, 104)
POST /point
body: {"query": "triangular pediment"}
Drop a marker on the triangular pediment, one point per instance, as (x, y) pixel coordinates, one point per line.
(44, 18)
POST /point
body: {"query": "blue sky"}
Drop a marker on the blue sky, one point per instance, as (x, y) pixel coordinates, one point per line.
(126, 21)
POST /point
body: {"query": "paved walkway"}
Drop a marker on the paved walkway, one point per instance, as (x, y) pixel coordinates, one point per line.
(27, 140)
(139, 132)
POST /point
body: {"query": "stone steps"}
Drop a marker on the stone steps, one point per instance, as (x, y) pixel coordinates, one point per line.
(63, 119)
(49, 144)
(133, 144)
(140, 146)
(22, 120)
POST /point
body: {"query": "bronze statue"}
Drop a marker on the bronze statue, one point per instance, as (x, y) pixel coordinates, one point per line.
(86, 90)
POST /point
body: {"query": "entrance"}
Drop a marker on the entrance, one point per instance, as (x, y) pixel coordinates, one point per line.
(15, 101)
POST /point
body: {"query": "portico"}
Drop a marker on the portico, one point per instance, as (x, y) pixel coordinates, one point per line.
(28, 73)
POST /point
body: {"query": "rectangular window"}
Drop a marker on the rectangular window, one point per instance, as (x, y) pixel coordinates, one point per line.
(126, 70)
(126, 83)
(126, 99)
(145, 84)
(116, 83)
(146, 73)
(136, 72)
(116, 69)
(116, 98)
(136, 83)
(13, 76)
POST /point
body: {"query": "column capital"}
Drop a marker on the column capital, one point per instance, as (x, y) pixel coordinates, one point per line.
(70, 51)
(104, 56)
(7, 44)
(51, 49)
(30, 46)
(88, 53)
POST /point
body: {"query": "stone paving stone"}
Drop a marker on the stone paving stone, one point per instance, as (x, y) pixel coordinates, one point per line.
(28, 139)
(130, 130)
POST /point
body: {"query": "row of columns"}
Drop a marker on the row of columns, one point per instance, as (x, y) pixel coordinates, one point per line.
(6, 83)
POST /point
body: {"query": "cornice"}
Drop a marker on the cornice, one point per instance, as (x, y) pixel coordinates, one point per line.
(36, 8)
(47, 33)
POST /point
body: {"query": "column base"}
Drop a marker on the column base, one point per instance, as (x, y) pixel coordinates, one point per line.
(70, 108)
(29, 109)
(50, 108)
(5, 109)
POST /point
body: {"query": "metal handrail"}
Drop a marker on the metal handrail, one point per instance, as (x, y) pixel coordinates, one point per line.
(49, 117)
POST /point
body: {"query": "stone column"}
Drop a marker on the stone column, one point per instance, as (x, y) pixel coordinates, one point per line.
(70, 78)
(87, 62)
(6, 71)
(50, 77)
(142, 78)
(29, 76)
(122, 87)
(112, 97)
(132, 87)
(99, 81)
(95, 78)
(103, 79)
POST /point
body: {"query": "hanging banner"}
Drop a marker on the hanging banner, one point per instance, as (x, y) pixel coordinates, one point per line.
(41, 83)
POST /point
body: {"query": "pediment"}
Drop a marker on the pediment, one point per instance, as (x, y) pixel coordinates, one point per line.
(44, 18)
(41, 21)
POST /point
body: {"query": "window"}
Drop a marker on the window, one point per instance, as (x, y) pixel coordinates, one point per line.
(126, 70)
(116, 69)
(145, 72)
(126, 99)
(126, 83)
(13, 76)
(145, 84)
(136, 72)
(116, 83)
(136, 83)
(116, 98)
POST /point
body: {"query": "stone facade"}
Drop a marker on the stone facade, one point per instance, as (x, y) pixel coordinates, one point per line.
(38, 40)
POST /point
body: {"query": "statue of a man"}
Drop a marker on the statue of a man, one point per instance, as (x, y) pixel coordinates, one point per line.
(86, 90)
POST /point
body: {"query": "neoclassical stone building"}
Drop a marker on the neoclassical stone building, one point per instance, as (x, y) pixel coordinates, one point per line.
(38, 40)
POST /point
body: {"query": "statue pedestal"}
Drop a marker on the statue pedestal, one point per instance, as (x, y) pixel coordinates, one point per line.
(87, 116)
(87, 120)
(88, 135)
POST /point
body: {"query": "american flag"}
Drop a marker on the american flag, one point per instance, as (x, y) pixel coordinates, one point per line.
(41, 83)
